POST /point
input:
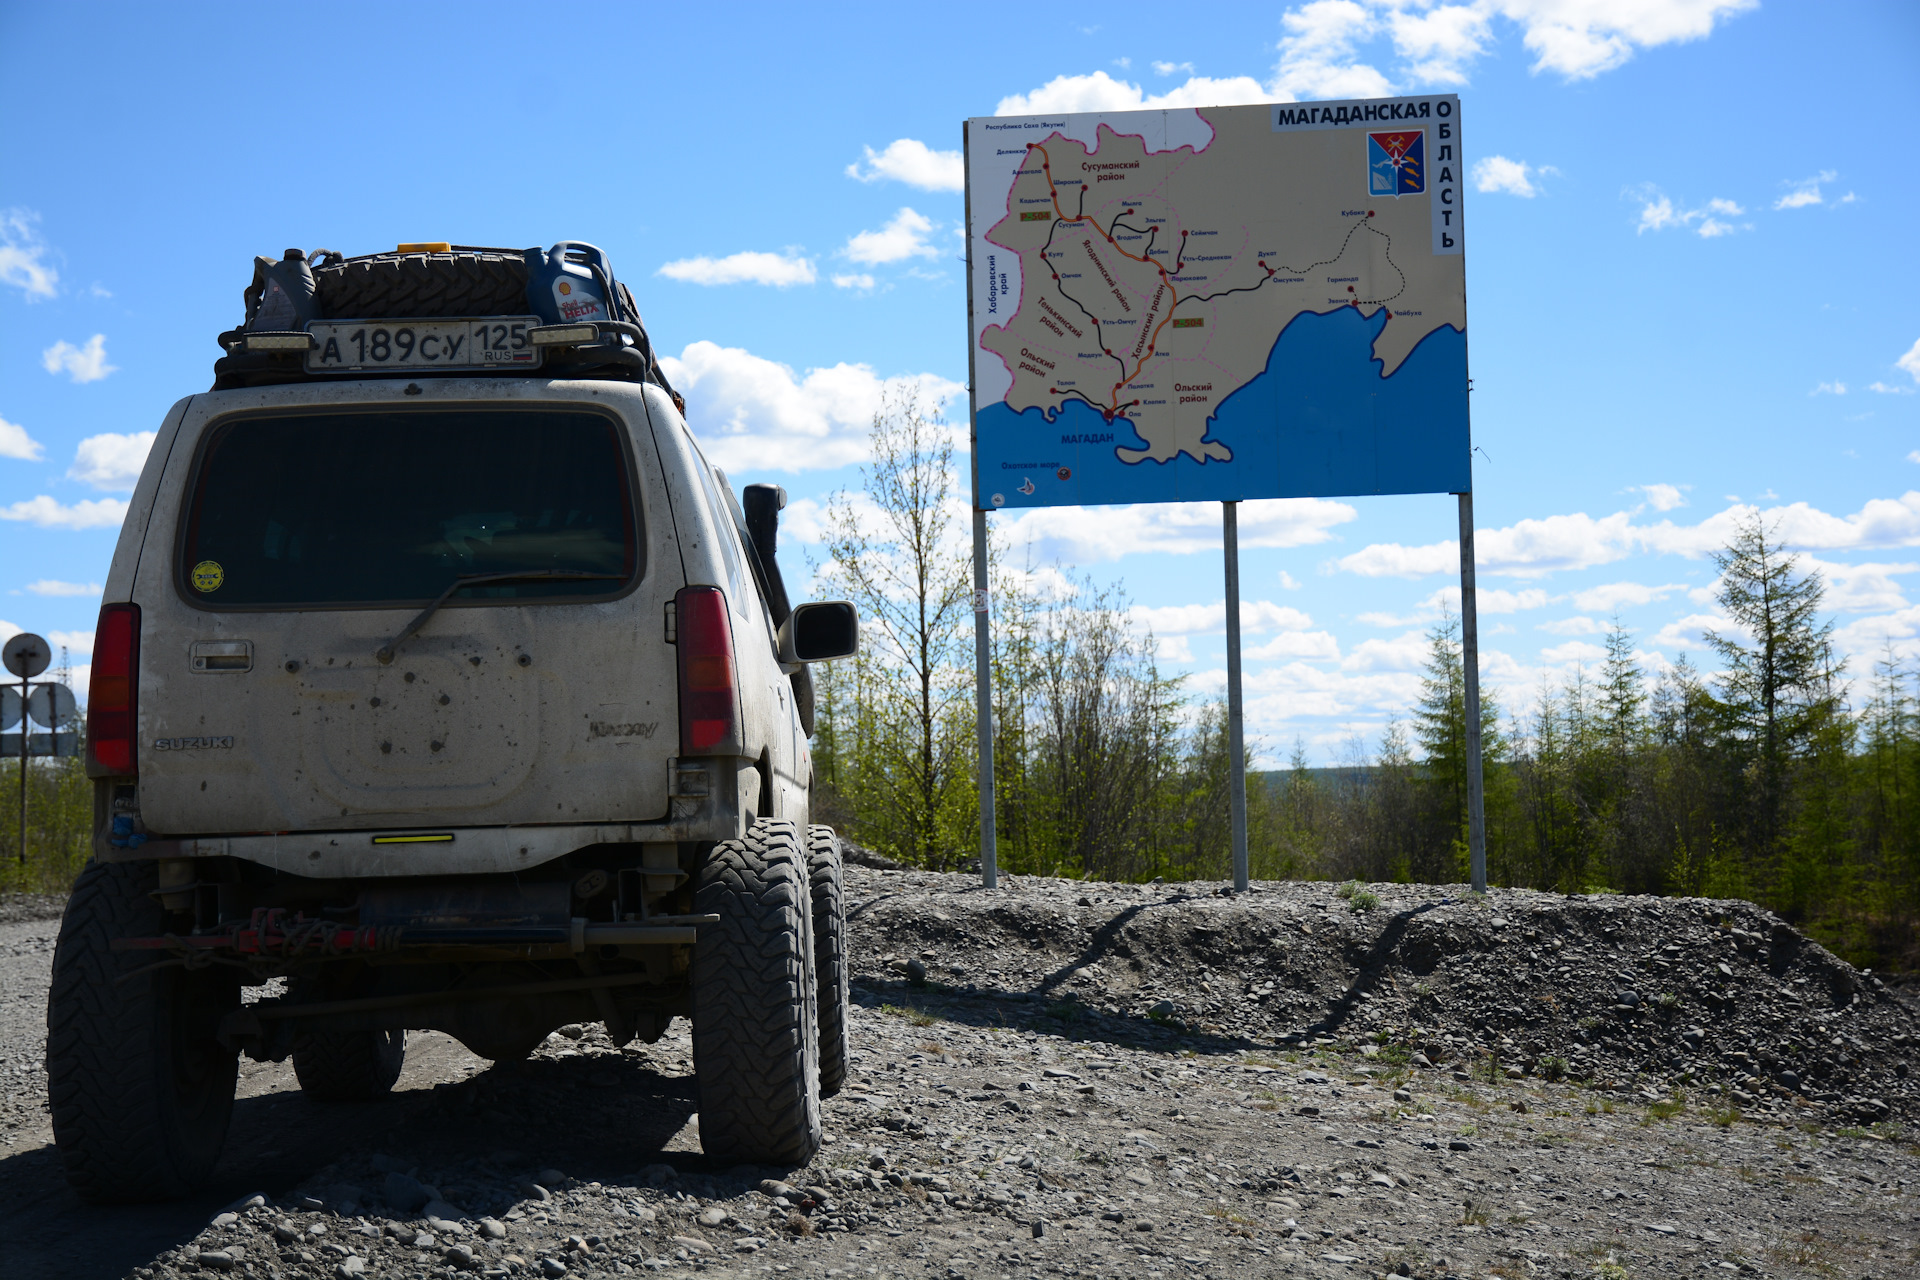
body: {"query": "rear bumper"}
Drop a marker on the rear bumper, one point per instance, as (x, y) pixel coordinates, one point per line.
(712, 799)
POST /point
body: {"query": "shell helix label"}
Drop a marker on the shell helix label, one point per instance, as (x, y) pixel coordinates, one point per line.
(576, 303)
(207, 576)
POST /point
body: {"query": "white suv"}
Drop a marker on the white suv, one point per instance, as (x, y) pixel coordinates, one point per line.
(462, 696)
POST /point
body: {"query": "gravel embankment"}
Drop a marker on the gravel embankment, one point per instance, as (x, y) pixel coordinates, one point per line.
(1022, 1110)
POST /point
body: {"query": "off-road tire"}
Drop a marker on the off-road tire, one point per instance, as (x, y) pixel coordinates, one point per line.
(829, 954)
(755, 1012)
(423, 286)
(349, 1066)
(141, 1091)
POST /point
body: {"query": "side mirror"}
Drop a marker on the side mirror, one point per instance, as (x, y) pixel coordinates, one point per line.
(820, 632)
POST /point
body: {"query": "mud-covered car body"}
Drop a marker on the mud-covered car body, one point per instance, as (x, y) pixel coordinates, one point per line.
(437, 696)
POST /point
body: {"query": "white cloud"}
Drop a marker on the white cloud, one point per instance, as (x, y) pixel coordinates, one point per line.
(1292, 583)
(111, 461)
(1487, 600)
(1099, 91)
(1663, 497)
(1805, 192)
(1208, 619)
(76, 643)
(912, 162)
(53, 587)
(781, 270)
(1861, 588)
(1088, 535)
(860, 280)
(1326, 45)
(1689, 632)
(1440, 43)
(82, 364)
(1528, 548)
(1580, 39)
(1868, 639)
(1313, 646)
(1886, 390)
(1573, 651)
(1535, 548)
(1910, 361)
(1514, 177)
(23, 256)
(1318, 52)
(754, 414)
(1612, 595)
(902, 238)
(91, 513)
(1578, 625)
(1404, 652)
(1392, 560)
(16, 443)
(1657, 213)
(1829, 389)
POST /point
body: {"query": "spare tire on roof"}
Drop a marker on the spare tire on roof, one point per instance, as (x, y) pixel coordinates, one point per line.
(423, 286)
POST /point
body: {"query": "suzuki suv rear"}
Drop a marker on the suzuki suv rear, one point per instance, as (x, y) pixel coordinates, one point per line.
(441, 676)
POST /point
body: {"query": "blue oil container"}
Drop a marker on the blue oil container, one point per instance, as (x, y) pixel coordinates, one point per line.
(569, 283)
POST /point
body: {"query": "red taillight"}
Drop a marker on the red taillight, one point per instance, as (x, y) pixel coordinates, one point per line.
(705, 642)
(114, 689)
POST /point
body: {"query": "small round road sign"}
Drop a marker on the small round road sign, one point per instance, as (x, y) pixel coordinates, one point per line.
(27, 655)
(50, 704)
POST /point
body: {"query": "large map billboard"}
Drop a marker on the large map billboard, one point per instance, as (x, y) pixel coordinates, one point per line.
(1218, 303)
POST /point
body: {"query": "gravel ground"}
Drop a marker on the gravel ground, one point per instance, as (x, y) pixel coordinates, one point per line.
(1066, 1079)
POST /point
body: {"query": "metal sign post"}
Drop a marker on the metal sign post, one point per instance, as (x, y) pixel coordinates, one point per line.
(26, 656)
(1470, 663)
(982, 621)
(1236, 740)
(983, 701)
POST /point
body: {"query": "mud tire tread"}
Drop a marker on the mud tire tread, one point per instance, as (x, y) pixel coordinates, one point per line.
(349, 1066)
(830, 959)
(755, 1011)
(423, 286)
(122, 1132)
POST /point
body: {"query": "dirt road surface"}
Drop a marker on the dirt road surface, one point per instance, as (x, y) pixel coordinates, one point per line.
(1027, 1101)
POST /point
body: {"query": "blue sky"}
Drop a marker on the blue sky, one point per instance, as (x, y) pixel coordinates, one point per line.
(1691, 279)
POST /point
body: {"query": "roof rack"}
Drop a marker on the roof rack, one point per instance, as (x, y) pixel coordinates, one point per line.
(437, 310)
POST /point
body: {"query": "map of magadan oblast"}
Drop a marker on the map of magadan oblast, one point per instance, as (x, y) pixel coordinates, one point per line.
(1218, 303)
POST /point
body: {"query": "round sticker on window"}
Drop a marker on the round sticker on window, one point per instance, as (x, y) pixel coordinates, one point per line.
(208, 575)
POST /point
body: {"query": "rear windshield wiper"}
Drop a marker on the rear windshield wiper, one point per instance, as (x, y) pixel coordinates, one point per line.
(385, 652)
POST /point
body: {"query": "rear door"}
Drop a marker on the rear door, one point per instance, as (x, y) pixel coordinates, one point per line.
(309, 527)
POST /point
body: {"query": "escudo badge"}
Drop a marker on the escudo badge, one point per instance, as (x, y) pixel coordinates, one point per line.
(1397, 163)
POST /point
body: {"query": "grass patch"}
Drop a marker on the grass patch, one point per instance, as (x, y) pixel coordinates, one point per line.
(1725, 1118)
(1473, 1214)
(1665, 1110)
(1358, 899)
(1807, 1250)
(1553, 1068)
(912, 1013)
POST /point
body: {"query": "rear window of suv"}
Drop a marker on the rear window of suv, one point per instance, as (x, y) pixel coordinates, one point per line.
(392, 508)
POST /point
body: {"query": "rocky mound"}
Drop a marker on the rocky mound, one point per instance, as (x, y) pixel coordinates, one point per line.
(1621, 993)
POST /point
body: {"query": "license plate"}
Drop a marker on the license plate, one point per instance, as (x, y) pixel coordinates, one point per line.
(356, 346)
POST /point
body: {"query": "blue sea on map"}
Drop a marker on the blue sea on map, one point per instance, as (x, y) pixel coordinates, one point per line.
(1319, 422)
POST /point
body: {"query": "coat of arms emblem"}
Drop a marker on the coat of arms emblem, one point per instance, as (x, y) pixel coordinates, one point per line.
(1397, 163)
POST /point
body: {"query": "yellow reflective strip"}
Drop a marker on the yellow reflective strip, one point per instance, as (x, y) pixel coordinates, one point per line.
(433, 839)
